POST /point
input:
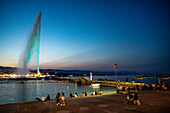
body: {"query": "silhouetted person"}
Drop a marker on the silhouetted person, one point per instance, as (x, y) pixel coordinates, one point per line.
(58, 98)
(136, 100)
(130, 98)
(48, 97)
(85, 94)
(71, 95)
(95, 92)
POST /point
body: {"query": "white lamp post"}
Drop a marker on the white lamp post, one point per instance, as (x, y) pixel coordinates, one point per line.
(91, 76)
(115, 66)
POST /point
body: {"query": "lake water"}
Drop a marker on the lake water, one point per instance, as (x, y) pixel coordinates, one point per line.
(13, 93)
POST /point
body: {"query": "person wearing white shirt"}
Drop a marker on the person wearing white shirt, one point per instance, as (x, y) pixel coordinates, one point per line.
(43, 98)
(75, 95)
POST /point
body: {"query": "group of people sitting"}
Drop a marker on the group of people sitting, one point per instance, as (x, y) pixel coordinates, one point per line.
(85, 94)
(124, 90)
(75, 95)
(132, 94)
(43, 98)
(60, 100)
(133, 98)
(96, 93)
(160, 85)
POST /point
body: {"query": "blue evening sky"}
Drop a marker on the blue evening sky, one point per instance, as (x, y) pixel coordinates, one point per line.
(89, 34)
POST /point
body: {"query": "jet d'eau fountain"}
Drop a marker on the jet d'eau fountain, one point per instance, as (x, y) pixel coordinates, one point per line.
(32, 47)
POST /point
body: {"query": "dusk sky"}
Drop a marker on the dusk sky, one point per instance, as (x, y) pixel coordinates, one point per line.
(89, 34)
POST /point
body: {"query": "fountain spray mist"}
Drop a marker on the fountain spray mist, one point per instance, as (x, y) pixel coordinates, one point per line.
(33, 46)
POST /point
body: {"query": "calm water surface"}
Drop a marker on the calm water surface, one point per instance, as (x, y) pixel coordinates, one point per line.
(13, 93)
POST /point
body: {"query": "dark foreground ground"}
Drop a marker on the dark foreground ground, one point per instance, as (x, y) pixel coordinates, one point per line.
(151, 102)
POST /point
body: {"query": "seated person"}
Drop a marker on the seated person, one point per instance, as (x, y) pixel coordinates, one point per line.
(71, 95)
(93, 93)
(83, 94)
(123, 88)
(75, 95)
(137, 87)
(48, 97)
(37, 99)
(100, 92)
(43, 98)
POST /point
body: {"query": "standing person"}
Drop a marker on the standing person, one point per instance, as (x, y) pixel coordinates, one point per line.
(62, 100)
(58, 98)
(136, 100)
(130, 98)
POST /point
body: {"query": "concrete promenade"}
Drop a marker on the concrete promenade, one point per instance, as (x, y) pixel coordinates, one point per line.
(151, 102)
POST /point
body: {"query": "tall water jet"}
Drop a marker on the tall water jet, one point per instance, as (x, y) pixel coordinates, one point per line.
(32, 46)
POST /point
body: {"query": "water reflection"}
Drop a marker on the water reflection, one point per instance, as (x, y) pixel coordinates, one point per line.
(12, 93)
(21, 92)
(36, 95)
(75, 86)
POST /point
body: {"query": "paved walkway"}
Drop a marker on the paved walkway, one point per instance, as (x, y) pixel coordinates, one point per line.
(152, 102)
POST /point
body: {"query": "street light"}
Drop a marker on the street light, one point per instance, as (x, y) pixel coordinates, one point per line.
(115, 66)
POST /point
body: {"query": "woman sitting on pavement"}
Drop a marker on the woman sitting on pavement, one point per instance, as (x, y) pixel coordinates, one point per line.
(48, 97)
(37, 99)
(75, 95)
(93, 93)
(100, 92)
(43, 98)
(83, 94)
(71, 95)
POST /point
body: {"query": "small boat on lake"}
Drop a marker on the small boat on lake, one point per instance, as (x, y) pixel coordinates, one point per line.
(95, 85)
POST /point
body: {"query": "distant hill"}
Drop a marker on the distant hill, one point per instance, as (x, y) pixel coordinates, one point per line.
(77, 72)
(88, 72)
(8, 69)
